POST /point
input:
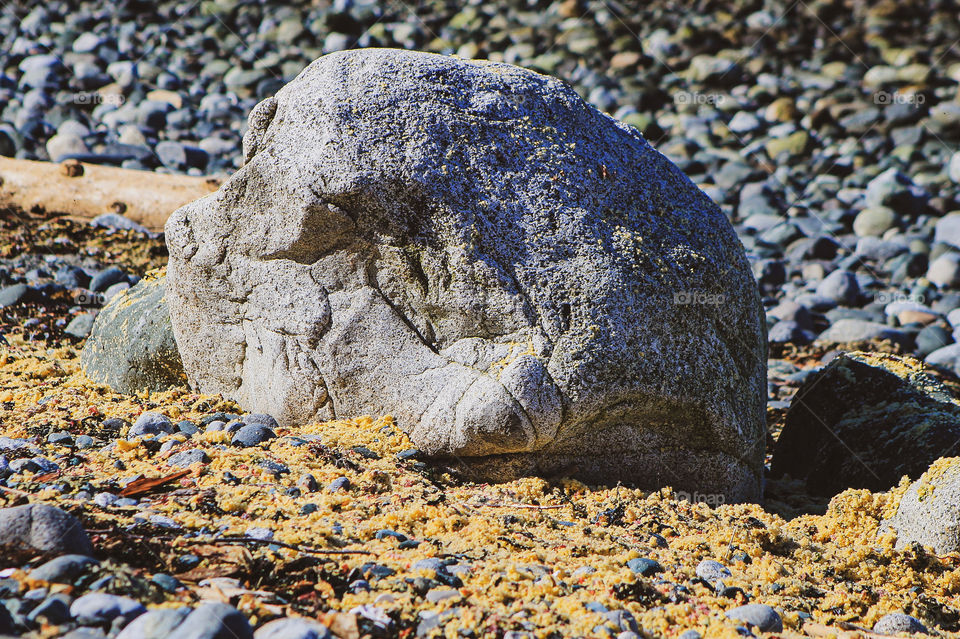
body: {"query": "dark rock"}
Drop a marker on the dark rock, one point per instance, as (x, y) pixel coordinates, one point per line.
(54, 610)
(849, 423)
(251, 435)
(107, 278)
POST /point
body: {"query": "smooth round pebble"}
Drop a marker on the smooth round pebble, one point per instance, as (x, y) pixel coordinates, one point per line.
(763, 617)
(897, 622)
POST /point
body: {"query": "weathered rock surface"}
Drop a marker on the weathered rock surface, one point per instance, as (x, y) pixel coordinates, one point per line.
(929, 512)
(44, 528)
(865, 421)
(520, 280)
(131, 347)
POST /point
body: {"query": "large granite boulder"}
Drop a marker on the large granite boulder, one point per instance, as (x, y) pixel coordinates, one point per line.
(131, 347)
(520, 280)
(864, 421)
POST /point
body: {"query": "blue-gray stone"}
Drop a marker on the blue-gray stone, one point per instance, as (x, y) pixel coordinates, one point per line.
(107, 278)
(161, 623)
(293, 628)
(214, 621)
(54, 610)
(167, 582)
(712, 570)
(251, 435)
(644, 566)
(384, 534)
(81, 325)
(761, 616)
(187, 427)
(840, 286)
(117, 221)
(340, 483)
(151, 423)
(72, 277)
(99, 608)
(260, 418)
(188, 458)
(63, 569)
(16, 294)
(60, 438)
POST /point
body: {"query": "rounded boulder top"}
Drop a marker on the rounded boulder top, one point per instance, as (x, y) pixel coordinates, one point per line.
(522, 281)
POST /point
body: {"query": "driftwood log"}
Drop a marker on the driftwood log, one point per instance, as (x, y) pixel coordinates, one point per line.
(87, 190)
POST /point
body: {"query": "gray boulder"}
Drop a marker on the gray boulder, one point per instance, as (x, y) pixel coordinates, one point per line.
(520, 280)
(44, 528)
(929, 512)
(131, 347)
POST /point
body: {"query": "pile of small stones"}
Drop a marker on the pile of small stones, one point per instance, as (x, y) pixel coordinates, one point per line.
(828, 137)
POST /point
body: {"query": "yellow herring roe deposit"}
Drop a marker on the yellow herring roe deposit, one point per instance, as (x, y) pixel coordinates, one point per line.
(531, 554)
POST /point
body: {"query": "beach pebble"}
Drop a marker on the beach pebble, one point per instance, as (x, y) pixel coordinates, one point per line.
(214, 621)
(62, 569)
(100, 608)
(151, 423)
(260, 418)
(644, 566)
(252, 435)
(292, 628)
(761, 616)
(187, 458)
(340, 483)
(711, 570)
(159, 623)
(53, 610)
(895, 623)
(44, 528)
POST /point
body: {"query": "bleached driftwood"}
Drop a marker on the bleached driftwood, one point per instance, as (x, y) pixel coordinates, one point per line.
(88, 190)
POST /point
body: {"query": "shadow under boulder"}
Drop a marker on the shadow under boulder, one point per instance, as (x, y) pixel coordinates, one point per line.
(865, 421)
(131, 347)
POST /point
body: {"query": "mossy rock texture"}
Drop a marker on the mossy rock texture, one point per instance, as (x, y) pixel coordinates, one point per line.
(131, 348)
(865, 421)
